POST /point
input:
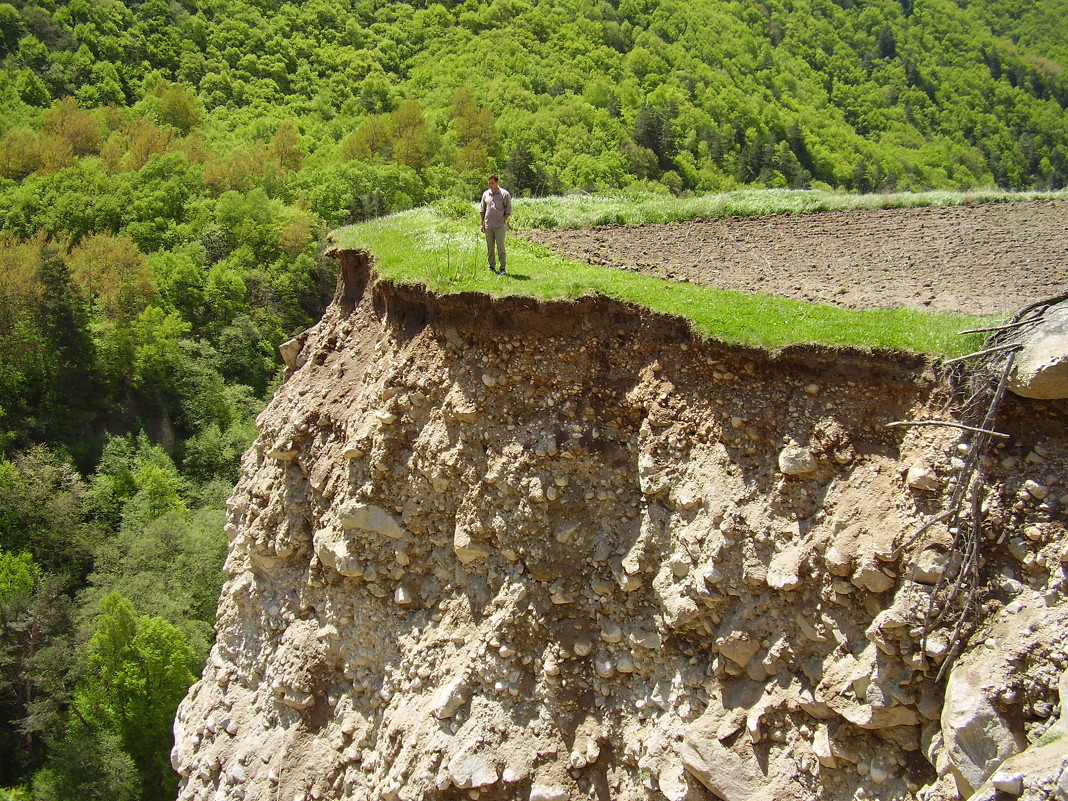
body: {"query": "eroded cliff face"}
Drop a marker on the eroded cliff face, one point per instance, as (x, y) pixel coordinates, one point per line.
(503, 549)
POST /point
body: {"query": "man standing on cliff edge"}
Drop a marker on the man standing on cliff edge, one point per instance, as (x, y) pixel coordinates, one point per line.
(494, 210)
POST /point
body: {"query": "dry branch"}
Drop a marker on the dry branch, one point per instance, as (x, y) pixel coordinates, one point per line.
(947, 424)
(1005, 327)
(987, 352)
(956, 594)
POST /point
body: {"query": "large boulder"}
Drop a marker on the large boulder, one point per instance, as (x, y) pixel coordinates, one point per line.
(978, 738)
(729, 775)
(1041, 366)
(1042, 768)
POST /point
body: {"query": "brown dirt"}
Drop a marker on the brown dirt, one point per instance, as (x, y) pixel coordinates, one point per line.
(450, 494)
(982, 259)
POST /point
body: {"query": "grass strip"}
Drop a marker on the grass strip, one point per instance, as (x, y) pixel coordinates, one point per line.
(424, 246)
(587, 211)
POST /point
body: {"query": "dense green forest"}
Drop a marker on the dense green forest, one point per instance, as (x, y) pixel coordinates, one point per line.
(169, 168)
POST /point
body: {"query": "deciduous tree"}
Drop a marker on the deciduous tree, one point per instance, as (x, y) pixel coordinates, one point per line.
(111, 270)
(138, 669)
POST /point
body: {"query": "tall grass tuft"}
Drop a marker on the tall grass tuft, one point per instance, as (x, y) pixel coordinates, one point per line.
(587, 211)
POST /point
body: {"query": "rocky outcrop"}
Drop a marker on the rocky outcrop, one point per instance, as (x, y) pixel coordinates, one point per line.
(1040, 771)
(1041, 367)
(499, 549)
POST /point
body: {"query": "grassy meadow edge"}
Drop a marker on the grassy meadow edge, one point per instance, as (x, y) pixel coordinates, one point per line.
(441, 247)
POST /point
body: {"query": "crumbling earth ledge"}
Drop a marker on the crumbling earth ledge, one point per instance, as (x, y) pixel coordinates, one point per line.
(506, 549)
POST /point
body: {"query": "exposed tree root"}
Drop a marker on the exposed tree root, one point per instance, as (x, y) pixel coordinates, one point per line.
(980, 391)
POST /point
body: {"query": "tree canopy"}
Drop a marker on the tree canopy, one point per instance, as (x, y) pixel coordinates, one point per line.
(168, 172)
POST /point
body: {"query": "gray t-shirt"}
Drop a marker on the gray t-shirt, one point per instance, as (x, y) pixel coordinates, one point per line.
(495, 205)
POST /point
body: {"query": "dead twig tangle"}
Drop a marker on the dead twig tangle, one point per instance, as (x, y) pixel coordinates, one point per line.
(980, 391)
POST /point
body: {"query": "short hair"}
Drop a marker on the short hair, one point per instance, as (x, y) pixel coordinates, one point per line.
(494, 177)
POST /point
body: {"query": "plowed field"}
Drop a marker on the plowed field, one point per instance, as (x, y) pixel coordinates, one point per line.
(981, 259)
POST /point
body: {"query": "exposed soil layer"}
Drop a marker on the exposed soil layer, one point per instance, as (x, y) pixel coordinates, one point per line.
(988, 258)
(503, 549)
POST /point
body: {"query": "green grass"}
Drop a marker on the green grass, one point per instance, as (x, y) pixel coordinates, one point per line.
(443, 249)
(585, 211)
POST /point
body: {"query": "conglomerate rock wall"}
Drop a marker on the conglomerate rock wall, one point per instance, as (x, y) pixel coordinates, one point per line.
(498, 549)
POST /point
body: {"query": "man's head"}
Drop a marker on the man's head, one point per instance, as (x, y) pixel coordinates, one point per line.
(493, 182)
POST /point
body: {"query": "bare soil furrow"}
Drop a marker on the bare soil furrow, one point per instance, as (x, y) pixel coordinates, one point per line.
(990, 258)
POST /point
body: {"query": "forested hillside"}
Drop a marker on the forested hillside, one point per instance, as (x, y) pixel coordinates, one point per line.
(168, 171)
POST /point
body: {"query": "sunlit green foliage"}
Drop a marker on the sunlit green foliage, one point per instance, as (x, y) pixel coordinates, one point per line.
(137, 549)
(138, 668)
(18, 574)
(41, 500)
(168, 172)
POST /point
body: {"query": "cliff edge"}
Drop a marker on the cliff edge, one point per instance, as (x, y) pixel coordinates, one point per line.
(500, 549)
